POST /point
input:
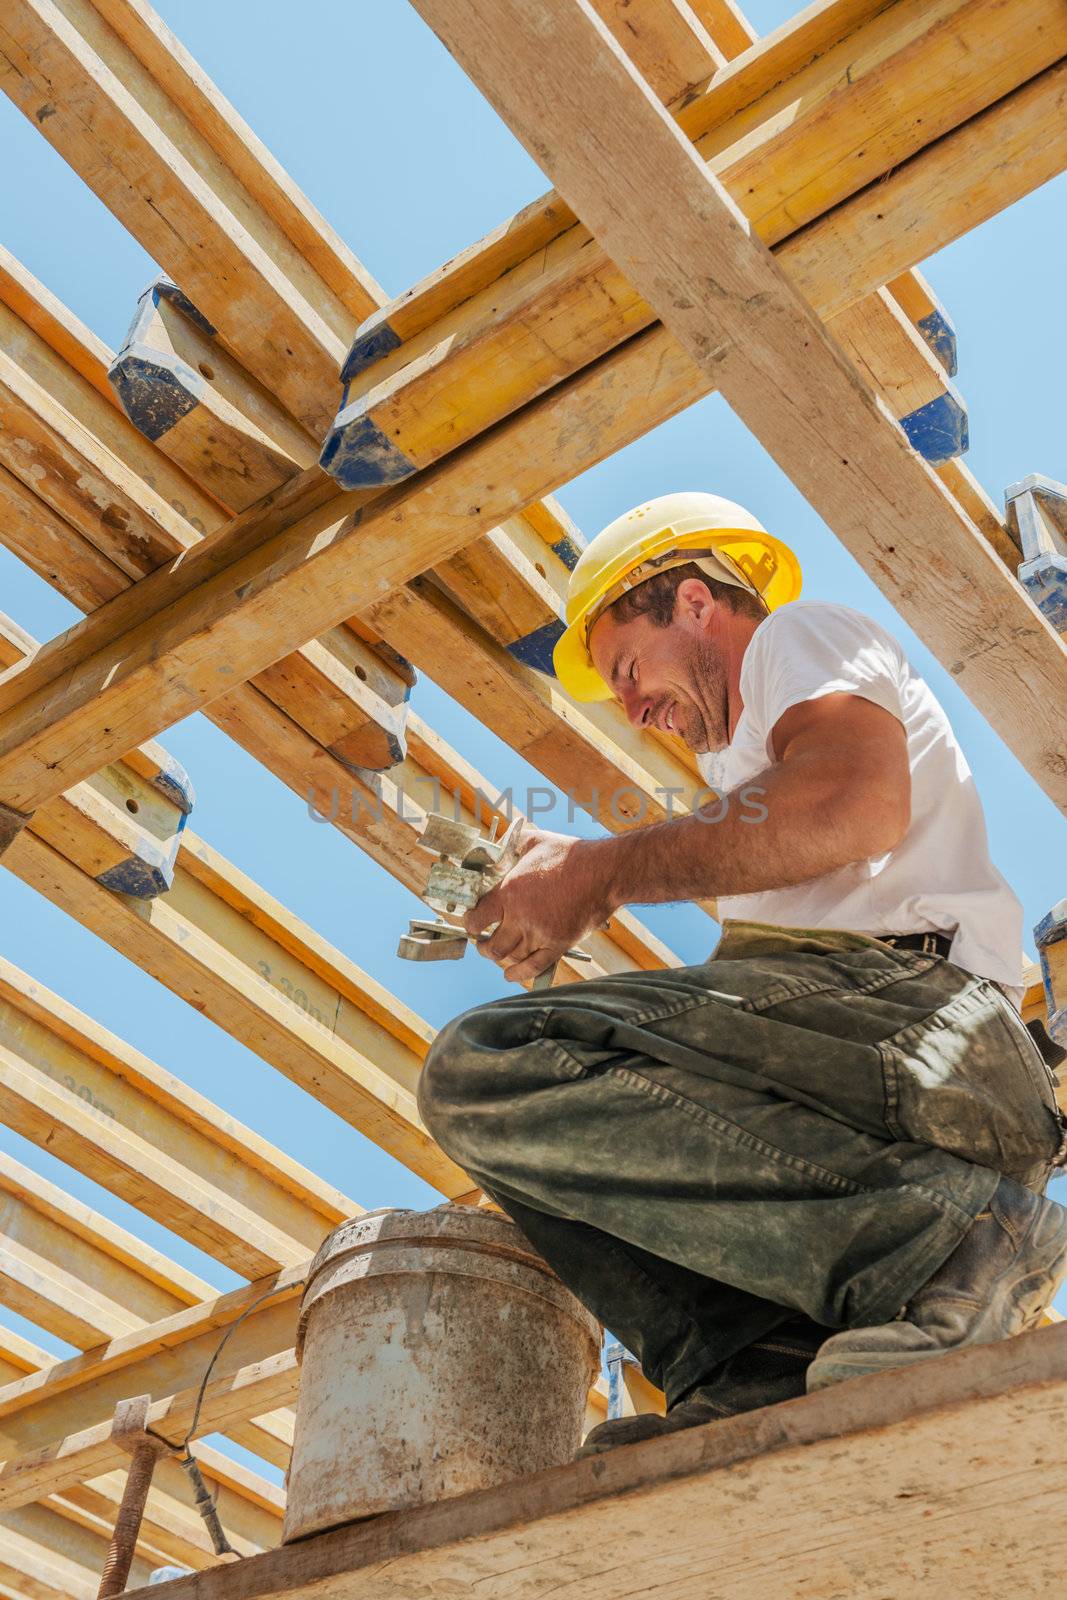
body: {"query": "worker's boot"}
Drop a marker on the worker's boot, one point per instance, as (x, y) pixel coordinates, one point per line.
(996, 1283)
(763, 1373)
(632, 1430)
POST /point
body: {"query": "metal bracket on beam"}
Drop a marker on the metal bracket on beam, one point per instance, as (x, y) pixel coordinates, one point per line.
(1036, 514)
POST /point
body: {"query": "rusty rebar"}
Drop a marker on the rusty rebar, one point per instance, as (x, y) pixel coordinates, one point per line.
(128, 1522)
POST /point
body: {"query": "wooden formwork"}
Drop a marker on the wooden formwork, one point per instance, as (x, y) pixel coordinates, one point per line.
(172, 492)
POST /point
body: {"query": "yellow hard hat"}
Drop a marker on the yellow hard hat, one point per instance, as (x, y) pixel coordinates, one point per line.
(721, 536)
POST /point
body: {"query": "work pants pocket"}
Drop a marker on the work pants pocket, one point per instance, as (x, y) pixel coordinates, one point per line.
(970, 1080)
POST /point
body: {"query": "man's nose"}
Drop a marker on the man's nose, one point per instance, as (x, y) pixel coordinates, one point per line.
(638, 708)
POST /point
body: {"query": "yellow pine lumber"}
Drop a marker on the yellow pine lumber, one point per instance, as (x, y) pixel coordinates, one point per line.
(655, 206)
(228, 609)
(727, 25)
(19, 1355)
(939, 194)
(69, 1270)
(197, 948)
(170, 1354)
(268, 186)
(31, 530)
(111, 119)
(236, 441)
(222, 943)
(666, 41)
(55, 324)
(74, 1088)
(250, 1507)
(72, 1272)
(586, 756)
(899, 1473)
(128, 506)
(48, 1557)
(226, 1401)
(787, 155)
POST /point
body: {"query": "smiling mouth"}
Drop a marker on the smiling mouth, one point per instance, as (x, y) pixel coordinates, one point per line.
(668, 720)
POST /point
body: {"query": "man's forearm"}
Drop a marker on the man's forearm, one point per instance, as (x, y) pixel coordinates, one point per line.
(795, 822)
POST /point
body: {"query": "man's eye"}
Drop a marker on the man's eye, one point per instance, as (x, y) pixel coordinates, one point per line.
(632, 674)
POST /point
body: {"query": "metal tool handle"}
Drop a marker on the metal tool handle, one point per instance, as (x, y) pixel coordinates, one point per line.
(128, 1522)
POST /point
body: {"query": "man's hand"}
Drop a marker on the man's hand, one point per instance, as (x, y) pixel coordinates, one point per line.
(557, 891)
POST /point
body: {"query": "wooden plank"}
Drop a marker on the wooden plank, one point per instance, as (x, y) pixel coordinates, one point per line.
(186, 393)
(47, 1557)
(656, 207)
(293, 685)
(205, 951)
(607, 768)
(58, 1556)
(250, 1507)
(54, 322)
(892, 357)
(502, 591)
(222, 943)
(226, 610)
(72, 1272)
(226, 1401)
(786, 156)
(75, 1089)
(151, 163)
(897, 1472)
(171, 1353)
(86, 1280)
(130, 507)
(666, 41)
(924, 310)
(948, 188)
(267, 185)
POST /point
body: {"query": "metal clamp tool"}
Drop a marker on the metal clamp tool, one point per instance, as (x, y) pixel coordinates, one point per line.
(469, 863)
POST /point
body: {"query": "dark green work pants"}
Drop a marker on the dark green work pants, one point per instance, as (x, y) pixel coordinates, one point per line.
(725, 1162)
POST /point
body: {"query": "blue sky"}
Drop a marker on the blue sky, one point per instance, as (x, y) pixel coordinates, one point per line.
(396, 148)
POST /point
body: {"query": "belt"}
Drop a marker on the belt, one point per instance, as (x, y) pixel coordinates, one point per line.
(929, 944)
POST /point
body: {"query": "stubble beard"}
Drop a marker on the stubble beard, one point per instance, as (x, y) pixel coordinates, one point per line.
(706, 715)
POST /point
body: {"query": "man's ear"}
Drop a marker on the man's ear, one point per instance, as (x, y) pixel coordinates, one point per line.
(694, 604)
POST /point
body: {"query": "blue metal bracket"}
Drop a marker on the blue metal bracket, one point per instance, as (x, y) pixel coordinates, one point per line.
(1036, 515)
(1049, 931)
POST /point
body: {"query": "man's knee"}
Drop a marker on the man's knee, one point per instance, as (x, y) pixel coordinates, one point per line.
(440, 1081)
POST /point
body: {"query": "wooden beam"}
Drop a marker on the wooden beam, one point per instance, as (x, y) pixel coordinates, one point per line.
(498, 586)
(76, 1090)
(59, 1557)
(171, 1353)
(139, 121)
(666, 41)
(226, 1401)
(88, 1281)
(654, 206)
(200, 944)
(250, 1507)
(320, 686)
(783, 129)
(225, 610)
(70, 1271)
(129, 507)
(898, 1472)
(242, 959)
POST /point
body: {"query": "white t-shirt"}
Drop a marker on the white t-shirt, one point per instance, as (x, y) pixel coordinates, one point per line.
(940, 877)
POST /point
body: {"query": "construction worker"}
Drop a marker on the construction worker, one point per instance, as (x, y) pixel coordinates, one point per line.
(821, 1153)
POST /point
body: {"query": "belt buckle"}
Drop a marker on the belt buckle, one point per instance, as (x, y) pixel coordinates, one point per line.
(929, 944)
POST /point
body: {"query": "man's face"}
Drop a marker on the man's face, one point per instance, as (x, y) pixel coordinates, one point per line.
(671, 677)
